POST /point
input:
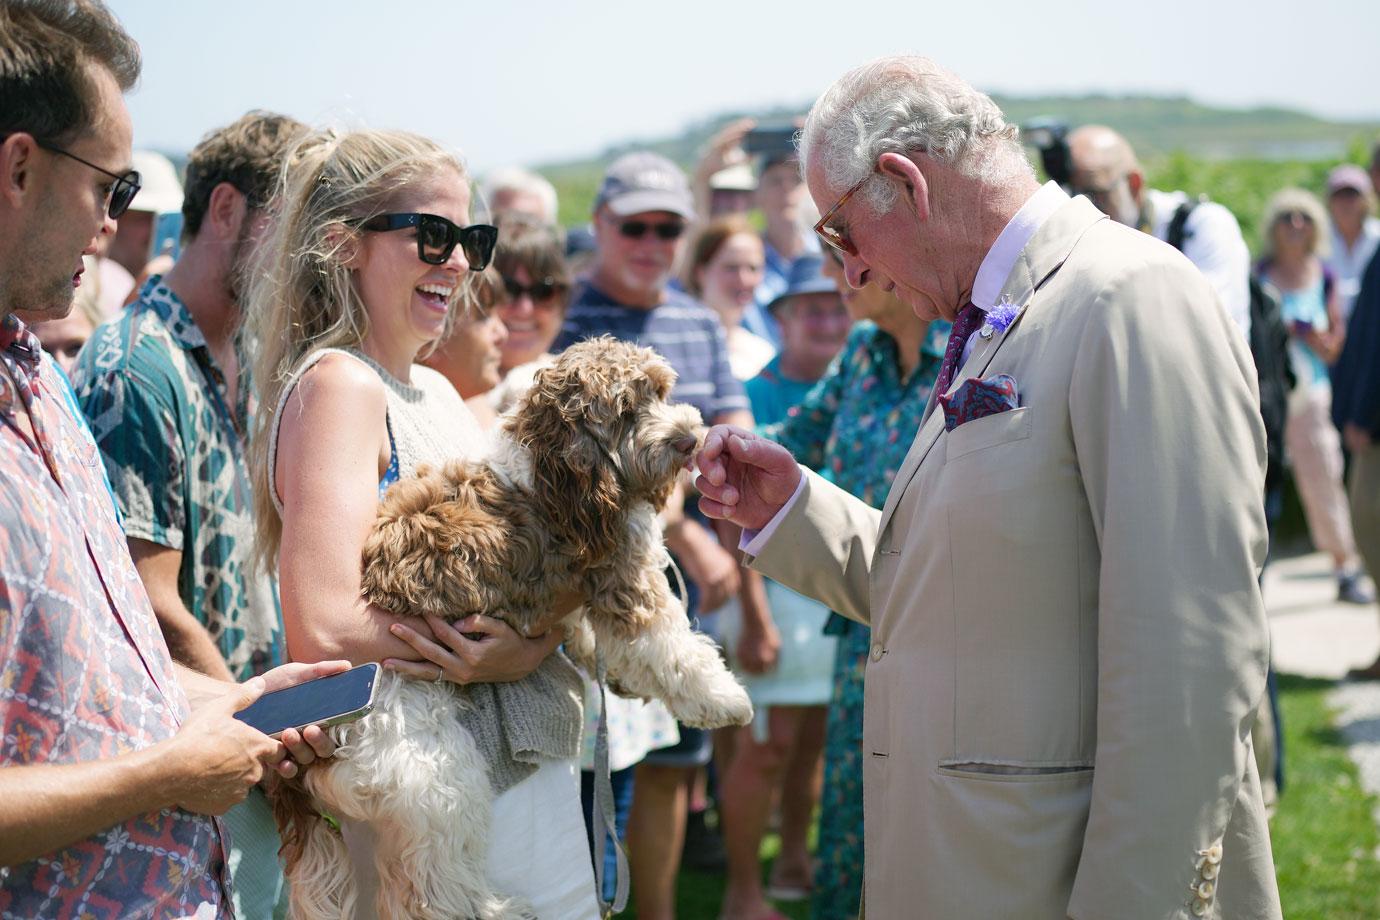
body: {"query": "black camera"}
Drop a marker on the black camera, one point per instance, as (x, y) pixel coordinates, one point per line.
(1049, 136)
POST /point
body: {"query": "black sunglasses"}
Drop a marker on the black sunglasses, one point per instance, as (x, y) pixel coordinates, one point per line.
(637, 229)
(540, 291)
(121, 193)
(438, 237)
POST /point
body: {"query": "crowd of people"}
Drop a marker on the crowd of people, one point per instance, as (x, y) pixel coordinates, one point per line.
(242, 360)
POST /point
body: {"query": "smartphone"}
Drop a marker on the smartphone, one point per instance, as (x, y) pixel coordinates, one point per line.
(325, 701)
(771, 141)
(167, 234)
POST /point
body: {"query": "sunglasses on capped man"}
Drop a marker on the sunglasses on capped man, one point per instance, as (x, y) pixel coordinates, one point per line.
(121, 193)
(665, 230)
(437, 237)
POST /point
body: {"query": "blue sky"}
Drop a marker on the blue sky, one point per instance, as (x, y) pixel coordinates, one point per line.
(512, 81)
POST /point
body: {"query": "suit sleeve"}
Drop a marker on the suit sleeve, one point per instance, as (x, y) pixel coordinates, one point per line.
(822, 547)
(1171, 448)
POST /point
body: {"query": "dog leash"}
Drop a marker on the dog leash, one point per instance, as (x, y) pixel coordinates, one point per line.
(606, 827)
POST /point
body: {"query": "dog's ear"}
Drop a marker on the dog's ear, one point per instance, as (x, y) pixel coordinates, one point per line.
(574, 479)
(661, 375)
(420, 557)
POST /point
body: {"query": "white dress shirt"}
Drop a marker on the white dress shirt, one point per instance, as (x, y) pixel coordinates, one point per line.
(991, 277)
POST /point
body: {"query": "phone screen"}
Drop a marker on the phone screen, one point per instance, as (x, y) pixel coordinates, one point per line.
(771, 142)
(316, 701)
(167, 234)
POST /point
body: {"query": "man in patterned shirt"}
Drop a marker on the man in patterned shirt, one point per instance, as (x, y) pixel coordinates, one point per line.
(112, 758)
(167, 395)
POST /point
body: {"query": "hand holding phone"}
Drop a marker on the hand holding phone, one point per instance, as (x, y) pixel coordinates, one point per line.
(325, 701)
(213, 760)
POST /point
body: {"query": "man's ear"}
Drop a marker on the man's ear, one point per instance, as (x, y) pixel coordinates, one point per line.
(1136, 180)
(225, 211)
(901, 167)
(18, 154)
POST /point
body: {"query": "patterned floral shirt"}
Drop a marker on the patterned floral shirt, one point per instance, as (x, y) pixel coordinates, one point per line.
(84, 671)
(175, 452)
(856, 425)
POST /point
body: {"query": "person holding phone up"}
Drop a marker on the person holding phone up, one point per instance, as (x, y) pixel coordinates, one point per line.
(1294, 242)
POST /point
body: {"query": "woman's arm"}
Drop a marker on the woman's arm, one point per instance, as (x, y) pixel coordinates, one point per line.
(331, 438)
(332, 443)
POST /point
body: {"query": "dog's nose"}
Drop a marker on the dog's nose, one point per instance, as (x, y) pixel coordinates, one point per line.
(685, 444)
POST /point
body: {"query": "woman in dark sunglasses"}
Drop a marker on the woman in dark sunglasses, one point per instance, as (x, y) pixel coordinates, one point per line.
(536, 281)
(372, 254)
(1294, 242)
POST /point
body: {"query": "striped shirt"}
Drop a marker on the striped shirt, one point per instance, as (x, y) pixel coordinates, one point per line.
(680, 329)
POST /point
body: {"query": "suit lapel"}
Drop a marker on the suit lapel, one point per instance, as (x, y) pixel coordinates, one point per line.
(1041, 258)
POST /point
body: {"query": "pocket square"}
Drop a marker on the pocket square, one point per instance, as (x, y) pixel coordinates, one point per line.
(975, 399)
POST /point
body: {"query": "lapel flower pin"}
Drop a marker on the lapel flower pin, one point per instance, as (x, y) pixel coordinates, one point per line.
(999, 317)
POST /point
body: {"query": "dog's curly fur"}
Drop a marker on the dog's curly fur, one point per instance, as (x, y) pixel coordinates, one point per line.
(567, 501)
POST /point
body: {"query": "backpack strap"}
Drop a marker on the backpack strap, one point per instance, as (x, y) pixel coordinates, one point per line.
(1178, 225)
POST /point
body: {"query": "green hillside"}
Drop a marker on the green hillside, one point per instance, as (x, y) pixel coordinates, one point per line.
(1176, 138)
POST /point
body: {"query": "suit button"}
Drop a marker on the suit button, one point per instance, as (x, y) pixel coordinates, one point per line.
(1199, 908)
(1205, 890)
(1208, 871)
(1214, 854)
(877, 651)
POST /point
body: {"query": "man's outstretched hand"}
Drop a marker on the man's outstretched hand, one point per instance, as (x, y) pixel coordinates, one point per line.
(744, 478)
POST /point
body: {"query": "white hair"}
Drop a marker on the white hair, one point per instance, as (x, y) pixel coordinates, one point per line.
(517, 179)
(907, 104)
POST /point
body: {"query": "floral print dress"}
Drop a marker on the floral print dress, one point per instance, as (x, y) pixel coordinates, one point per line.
(854, 428)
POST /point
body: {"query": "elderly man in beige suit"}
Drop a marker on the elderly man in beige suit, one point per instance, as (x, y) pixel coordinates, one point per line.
(1069, 641)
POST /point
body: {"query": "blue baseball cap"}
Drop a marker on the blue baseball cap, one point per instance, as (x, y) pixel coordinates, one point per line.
(806, 277)
(645, 181)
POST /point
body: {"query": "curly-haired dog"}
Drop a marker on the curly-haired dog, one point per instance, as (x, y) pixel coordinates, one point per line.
(566, 501)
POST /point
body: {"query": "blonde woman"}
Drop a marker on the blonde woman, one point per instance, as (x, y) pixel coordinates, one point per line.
(369, 263)
(1295, 244)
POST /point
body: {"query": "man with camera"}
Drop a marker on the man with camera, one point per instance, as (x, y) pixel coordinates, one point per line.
(1104, 168)
(113, 760)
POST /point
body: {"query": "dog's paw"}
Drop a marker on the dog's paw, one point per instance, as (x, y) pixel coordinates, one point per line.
(726, 703)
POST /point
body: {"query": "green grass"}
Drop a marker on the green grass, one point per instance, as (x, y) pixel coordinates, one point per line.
(1324, 834)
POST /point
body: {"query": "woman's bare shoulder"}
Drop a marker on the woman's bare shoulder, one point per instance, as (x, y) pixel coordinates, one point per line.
(338, 398)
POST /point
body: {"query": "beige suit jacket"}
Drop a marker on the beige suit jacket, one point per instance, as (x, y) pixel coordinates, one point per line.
(1068, 638)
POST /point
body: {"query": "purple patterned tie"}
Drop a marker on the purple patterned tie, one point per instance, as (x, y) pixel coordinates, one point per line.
(965, 324)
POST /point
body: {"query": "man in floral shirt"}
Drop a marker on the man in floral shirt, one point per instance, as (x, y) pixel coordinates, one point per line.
(167, 395)
(112, 759)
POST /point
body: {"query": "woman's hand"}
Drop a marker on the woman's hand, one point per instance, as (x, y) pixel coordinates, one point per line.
(476, 650)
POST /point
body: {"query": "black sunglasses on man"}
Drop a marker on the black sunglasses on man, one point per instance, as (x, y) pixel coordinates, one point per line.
(121, 193)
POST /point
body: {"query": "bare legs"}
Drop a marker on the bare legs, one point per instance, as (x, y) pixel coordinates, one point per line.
(789, 761)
